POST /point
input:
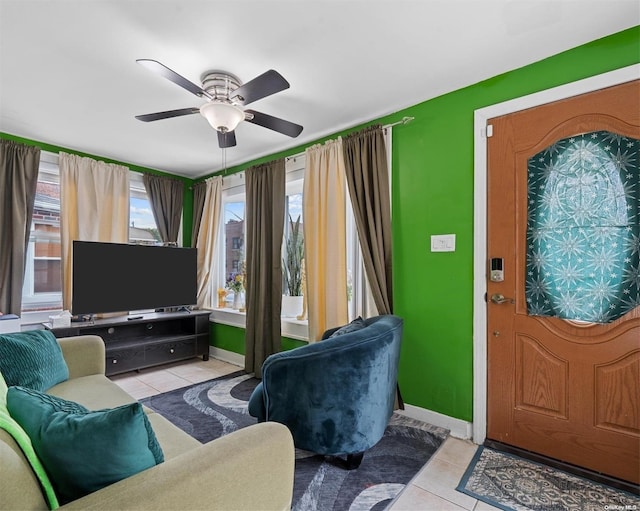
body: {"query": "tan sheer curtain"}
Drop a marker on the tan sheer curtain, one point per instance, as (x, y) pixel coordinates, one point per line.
(166, 195)
(207, 240)
(365, 158)
(94, 206)
(18, 180)
(325, 237)
(265, 189)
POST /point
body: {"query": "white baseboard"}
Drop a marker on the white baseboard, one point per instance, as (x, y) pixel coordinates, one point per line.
(227, 356)
(457, 427)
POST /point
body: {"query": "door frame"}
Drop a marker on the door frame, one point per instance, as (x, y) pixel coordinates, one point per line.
(481, 116)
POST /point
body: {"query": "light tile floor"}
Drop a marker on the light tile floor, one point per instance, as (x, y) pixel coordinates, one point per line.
(156, 380)
(432, 489)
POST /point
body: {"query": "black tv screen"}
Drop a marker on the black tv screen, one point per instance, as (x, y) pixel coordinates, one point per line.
(116, 277)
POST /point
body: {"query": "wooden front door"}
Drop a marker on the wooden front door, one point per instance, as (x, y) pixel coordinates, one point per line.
(567, 387)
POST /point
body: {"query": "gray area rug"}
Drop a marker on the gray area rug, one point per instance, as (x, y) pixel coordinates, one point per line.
(214, 408)
(513, 483)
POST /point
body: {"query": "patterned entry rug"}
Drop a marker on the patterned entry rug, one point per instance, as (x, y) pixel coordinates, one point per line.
(513, 483)
(214, 408)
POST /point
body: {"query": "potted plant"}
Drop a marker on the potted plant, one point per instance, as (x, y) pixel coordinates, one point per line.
(292, 269)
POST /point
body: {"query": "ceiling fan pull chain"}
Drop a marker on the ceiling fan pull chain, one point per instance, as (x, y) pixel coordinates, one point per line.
(224, 160)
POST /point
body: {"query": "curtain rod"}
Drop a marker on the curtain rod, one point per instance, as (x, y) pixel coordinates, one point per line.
(404, 120)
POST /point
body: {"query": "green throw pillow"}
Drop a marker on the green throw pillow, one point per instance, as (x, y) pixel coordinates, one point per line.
(32, 359)
(83, 451)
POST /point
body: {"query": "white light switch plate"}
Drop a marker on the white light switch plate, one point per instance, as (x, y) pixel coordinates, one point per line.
(443, 243)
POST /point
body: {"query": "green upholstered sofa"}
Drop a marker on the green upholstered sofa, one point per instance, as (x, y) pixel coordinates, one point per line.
(249, 469)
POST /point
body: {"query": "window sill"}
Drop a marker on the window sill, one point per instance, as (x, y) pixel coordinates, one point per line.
(290, 327)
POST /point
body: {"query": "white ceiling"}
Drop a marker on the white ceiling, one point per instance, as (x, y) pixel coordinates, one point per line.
(68, 74)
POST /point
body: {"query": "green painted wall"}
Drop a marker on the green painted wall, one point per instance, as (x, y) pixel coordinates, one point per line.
(433, 194)
(231, 338)
(289, 344)
(227, 337)
(187, 217)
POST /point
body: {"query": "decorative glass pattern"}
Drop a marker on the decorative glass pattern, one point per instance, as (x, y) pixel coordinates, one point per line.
(583, 228)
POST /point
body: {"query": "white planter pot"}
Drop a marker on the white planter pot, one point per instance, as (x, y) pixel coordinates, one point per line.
(291, 306)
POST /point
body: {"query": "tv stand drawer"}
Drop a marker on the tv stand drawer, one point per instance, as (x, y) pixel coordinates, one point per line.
(121, 361)
(168, 351)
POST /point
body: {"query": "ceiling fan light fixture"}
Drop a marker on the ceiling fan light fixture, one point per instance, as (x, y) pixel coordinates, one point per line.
(222, 116)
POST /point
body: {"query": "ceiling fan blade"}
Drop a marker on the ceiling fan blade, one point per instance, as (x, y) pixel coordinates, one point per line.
(167, 115)
(260, 87)
(274, 123)
(171, 75)
(227, 139)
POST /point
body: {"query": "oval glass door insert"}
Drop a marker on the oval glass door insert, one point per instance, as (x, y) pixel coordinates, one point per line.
(583, 228)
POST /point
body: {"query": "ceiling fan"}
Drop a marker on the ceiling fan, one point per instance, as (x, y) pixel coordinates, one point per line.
(226, 95)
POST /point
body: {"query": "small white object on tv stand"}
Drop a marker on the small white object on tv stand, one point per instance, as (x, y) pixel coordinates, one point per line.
(62, 320)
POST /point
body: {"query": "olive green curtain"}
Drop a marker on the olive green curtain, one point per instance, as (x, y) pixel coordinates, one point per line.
(166, 197)
(18, 180)
(265, 206)
(199, 194)
(365, 158)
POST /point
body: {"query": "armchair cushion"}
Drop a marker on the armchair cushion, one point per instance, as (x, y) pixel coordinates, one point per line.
(32, 359)
(354, 326)
(83, 451)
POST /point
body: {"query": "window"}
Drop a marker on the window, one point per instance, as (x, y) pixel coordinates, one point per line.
(42, 288)
(142, 224)
(360, 299)
(231, 251)
(583, 255)
(293, 238)
(232, 255)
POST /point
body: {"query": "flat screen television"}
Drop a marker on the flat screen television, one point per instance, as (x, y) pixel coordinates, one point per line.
(116, 277)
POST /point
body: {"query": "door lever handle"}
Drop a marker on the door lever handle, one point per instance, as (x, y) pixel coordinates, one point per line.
(500, 299)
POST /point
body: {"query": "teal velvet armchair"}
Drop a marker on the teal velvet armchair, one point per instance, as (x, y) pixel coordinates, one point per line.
(335, 396)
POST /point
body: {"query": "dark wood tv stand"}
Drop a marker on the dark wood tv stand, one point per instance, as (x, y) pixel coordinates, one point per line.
(146, 340)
